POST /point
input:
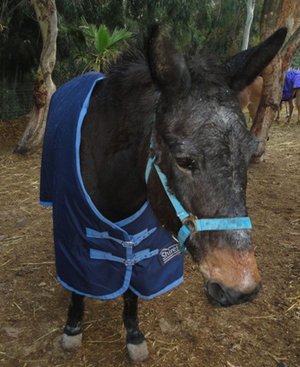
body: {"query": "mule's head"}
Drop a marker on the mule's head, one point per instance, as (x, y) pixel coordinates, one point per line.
(203, 146)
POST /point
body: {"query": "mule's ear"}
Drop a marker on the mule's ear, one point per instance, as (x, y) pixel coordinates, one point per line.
(245, 66)
(168, 68)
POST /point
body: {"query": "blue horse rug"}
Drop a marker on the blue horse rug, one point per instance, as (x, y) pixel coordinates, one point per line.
(291, 81)
(94, 256)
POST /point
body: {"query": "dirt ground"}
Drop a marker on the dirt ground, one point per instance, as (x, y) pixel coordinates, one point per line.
(182, 328)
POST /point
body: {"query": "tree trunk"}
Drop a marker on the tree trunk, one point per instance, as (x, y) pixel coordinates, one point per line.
(275, 14)
(44, 87)
(249, 19)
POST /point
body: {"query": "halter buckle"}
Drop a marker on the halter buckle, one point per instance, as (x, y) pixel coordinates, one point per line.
(191, 223)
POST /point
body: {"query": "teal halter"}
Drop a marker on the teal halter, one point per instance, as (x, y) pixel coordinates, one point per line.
(190, 223)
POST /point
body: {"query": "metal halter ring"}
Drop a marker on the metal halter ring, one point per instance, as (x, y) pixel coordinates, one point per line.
(191, 223)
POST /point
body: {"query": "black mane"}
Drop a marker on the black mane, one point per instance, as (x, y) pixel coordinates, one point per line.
(130, 70)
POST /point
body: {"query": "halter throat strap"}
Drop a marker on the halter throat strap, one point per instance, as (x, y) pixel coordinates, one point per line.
(190, 223)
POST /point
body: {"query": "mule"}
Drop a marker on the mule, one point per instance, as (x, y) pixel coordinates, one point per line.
(291, 91)
(289, 108)
(250, 97)
(156, 129)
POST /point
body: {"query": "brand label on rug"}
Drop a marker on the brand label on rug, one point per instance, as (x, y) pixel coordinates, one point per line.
(166, 254)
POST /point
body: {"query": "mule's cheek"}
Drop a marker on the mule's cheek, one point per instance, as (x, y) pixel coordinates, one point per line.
(232, 269)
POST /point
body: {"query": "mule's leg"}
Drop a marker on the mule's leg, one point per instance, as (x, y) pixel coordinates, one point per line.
(135, 340)
(291, 107)
(73, 329)
(297, 102)
(279, 110)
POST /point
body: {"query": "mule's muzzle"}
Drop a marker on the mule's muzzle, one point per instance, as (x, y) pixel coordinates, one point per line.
(224, 296)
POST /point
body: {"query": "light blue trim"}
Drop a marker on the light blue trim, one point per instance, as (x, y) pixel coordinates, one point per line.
(131, 259)
(215, 224)
(139, 237)
(149, 166)
(117, 225)
(93, 234)
(77, 156)
(223, 224)
(183, 234)
(181, 213)
(122, 290)
(46, 203)
(116, 294)
(168, 288)
(135, 239)
(133, 217)
(144, 254)
(103, 255)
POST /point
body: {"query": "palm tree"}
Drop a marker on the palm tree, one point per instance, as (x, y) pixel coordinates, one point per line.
(103, 46)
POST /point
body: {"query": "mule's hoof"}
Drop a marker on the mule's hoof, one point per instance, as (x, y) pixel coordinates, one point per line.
(138, 352)
(69, 342)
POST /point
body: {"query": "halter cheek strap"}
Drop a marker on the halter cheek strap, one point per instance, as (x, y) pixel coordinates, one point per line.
(190, 223)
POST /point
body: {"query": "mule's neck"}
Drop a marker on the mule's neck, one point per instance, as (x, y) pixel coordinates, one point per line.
(115, 145)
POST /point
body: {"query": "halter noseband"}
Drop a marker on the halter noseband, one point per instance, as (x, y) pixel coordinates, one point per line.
(191, 223)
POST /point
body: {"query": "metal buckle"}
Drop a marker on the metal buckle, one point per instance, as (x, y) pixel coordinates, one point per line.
(128, 244)
(129, 262)
(191, 223)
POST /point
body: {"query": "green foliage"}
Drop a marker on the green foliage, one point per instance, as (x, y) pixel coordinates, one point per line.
(296, 61)
(19, 43)
(214, 26)
(102, 47)
(102, 40)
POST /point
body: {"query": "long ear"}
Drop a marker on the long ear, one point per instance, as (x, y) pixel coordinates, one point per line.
(245, 66)
(168, 68)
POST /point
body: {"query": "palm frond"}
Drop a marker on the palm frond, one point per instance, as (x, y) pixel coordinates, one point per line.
(102, 39)
(118, 36)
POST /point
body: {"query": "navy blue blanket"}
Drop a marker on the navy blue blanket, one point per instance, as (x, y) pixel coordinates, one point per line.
(94, 256)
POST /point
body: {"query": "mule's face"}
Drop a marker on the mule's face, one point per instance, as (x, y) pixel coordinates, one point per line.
(203, 146)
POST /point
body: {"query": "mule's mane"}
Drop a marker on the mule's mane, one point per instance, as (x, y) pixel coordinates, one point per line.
(130, 56)
(129, 69)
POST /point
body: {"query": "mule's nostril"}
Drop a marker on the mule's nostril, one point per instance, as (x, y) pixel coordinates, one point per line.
(217, 293)
(229, 296)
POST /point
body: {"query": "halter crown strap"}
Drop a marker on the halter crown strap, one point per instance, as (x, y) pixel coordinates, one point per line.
(190, 223)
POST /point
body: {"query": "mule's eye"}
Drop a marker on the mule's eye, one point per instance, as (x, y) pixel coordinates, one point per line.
(186, 163)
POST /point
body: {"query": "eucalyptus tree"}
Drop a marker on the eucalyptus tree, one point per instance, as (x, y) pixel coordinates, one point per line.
(44, 86)
(250, 4)
(276, 13)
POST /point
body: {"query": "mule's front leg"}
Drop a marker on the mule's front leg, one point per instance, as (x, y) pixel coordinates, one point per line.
(72, 336)
(135, 340)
